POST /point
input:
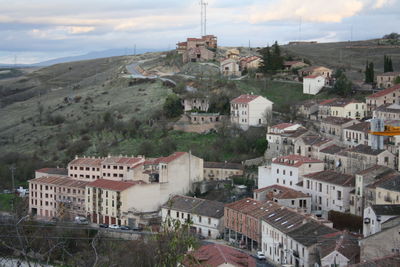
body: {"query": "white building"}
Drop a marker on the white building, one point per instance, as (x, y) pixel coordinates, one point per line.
(250, 110)
(281, 139)
(287, 171)
(312, 84)
(206, 216)
(329, 190)
(230, 67)
(357, 134)
(376, 215)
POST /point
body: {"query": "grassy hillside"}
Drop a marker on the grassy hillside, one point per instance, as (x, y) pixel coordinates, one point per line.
(350, 55)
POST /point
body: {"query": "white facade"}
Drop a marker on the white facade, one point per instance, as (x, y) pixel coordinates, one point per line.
(372, 222)
(250, 110)
(312, 85)
(230, 67)
(336, 259)
(288, 172)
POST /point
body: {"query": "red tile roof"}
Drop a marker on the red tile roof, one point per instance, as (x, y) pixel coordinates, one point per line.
(87, 161)
(114, 185)
(254, 208)
(385, 92)
(324, 102)
(122, 160)
(244, 99)
(285, 192)
(214, 255)
(60, 181)
(167, 159)
(295, 160)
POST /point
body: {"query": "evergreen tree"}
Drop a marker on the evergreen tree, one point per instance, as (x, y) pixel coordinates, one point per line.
(387, 64)
(390, 65)
(367, 73)
(265, 65)
(342, 85)
(277, 59)
(371, 72)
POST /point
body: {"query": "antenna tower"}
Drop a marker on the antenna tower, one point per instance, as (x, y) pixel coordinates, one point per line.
(203, 17)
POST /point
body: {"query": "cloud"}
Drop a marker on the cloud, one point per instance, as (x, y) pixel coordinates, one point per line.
(311, 10)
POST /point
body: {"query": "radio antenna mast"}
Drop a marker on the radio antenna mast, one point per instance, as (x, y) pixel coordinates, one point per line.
(203, 17)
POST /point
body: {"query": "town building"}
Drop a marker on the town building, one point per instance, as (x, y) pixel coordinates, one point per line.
(86, 168)
(281, 138)
(293, 65)
(56, 196)
(357, 134)
(310, 145)
(198, 49)
(51, 172)
(387, 79)
(287, 170)
(390, 95)
(324, 108)
(387, 112)
(216, 255)
(204, 118)
(206, 216)
(284, 196)
(222, 170)
(195, 104)
(370, 194)
(328, 156)
(376, 215)
(348, 108)
(250, 110)
(333, 127)
(358, 198)
(339, 249)
(388, 192)
(313, 84)
(308, 109)
(250, 63)
(329, 191)
(390, 260)
(316, 70)
(230, 67)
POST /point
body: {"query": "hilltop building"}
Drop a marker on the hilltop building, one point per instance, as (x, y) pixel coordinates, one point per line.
(198, 49)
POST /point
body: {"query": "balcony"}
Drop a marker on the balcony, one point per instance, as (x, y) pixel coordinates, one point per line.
(388, 199)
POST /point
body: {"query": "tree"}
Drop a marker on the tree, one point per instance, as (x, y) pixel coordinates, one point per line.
(369, 72)
(342, 86)
(265, 65)
(397, 80)
(277, 59)
(387, 64)
(172, 107)
(271, 59)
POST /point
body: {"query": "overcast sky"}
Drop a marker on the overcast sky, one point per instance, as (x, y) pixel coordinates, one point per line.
(37, 30)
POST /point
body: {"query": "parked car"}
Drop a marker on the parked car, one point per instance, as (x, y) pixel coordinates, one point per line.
(114, 226)
(124, 227)
(260, 255)
(137, 228)
(103, 225)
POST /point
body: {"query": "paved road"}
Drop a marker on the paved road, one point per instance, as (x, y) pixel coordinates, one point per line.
(135, 73)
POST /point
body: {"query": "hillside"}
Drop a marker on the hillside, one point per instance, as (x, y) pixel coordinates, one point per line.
(349, 55)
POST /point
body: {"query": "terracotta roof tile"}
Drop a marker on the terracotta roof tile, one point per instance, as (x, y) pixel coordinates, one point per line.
(243, 99)
(60, 181)
(114, 185)
(54, 171)
(282, 126)
(87, 161)
(385, 92)
(332, 177)
(295, 160)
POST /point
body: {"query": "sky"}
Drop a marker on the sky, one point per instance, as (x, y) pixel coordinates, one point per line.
(36, 30)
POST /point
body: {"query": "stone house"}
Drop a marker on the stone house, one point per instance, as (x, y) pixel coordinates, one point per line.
(292, 65)
(328, 156)
(310, 145)
(198, 49)
(370, 194)
(357, 134)
(308, 109)
(196, 104)
(386, 80)
(230, 67)
(204, 118)
(333, 127)
(250, 63)
(387, 112)
(316, 70)
(206, 216)
(250, 110)
(222, 170)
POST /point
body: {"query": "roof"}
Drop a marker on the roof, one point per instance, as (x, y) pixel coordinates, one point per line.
(327, 101)
(167, 159)
(333, 149)
(253, 207)
(223, 165)
(385, 91)
(311, 68)
(60, 181)
(312, 76)
(197, 206)
(284, 219)
(391, 260)
(290, 63)
(114, 185)
(332, 177)
(342, 242)
(54, 171)
(312, 230)
(315, 140)
(382, 177)
(392, 108)
(122, 160)
(360, 127)
(339, 102)
(282, 192)
(364, 149)
(392, 184)
(243, 99)
(87, 161)
(213, 255)
(386, 209)
(283, 126)
(295, 160)
(249, 59)
(376, 169)
(336, 120)
(392, 73)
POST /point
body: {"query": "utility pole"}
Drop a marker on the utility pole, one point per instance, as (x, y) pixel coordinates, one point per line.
(205, 18)
(12, 169)
(201, 18)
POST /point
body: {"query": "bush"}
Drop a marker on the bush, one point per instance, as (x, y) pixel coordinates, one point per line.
(344, 221)
(172, 107)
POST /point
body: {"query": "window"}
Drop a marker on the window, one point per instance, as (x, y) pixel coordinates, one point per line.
(199, 218)
(209, 233)
(209, 219)
(177, 214)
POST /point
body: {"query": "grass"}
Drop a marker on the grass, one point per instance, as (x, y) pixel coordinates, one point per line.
(5, 202)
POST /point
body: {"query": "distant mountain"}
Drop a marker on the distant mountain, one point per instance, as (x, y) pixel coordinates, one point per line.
(95, 55)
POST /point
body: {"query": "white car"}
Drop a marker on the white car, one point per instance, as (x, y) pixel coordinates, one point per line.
(114, 226)
(260, 255)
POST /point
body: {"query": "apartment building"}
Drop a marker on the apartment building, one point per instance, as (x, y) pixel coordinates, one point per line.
(328, 156)
(250, 110)
(51, 172)
(206, 216)
(329, 190)
(287, 171)
(86, 168)
(387, 112)
(390, 95)
(333, 127)
(56, 196)
(198, 49)
(357, 134)
(222, 170)
(376, 215)
(284, 196)
(388, 192)
(358, 198)
(281, 138)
